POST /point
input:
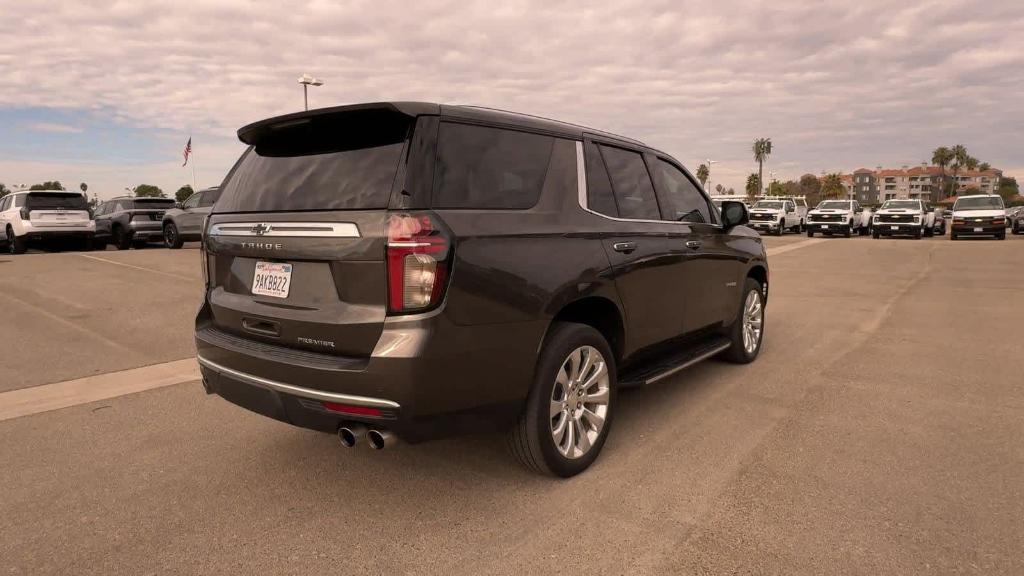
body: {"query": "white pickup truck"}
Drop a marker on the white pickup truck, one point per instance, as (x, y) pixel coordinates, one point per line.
(777, 216)
(903, 218)
(844, 217)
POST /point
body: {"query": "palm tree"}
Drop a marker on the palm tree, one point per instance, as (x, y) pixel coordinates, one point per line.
(960, 157)
(984, 166)
(753, 182)
(832, 186)
(702, 174)
(971, 163)
(941, 157)
(762, 150)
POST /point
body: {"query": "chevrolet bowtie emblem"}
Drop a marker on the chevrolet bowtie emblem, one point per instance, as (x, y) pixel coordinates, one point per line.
(260, 229)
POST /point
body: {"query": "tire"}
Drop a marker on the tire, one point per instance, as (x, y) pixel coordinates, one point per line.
(16, 245)
(800, 227)
(739, 353)
(953, 236)
(929, 232)
(875, 234)
(849, 231)
(1016, 227)
(171, 237)
(863, 231)
(779, 230)
(810, 234)
(1001, 235)
(917, 235)
(532, 440)
(121, 239)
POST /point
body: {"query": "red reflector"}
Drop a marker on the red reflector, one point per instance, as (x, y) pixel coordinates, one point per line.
(349, 409)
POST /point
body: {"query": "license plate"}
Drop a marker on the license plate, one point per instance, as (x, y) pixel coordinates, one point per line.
(894, 227)
(272, 279)
(979, 229)
(824, 226)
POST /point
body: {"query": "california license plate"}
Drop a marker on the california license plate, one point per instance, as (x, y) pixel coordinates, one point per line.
(824, 226)
(979, 229)
(894, 227)
(272, 279)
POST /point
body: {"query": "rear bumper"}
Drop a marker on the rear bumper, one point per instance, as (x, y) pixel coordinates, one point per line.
(143, 230)
(39, 231)
(426, 378)
(986, 230)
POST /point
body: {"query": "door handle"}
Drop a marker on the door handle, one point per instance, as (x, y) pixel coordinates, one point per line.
(693, 244)
(624, 247)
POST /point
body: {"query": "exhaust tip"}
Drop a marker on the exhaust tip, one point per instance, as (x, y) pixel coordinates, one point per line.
(380, 439)
(350, 435)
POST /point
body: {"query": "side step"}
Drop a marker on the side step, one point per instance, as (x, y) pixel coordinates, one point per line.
(669, 365)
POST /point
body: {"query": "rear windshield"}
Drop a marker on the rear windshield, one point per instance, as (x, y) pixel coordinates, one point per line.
(979, 203)
(343, 162)
(152, 203)
(54, 200)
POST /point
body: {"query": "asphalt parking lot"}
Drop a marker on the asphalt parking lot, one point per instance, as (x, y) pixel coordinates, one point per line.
(880, 432)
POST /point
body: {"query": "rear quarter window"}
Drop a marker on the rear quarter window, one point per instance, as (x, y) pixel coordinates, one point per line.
(489, 168)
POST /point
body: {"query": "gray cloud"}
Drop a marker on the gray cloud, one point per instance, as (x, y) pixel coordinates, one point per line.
(836, 85)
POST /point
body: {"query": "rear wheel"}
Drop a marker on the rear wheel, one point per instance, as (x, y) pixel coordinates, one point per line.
(15, 244)
(171, 237)
(569, 411)
(810, 234)
(122, 240)
(1016, 227)
(747, 330)
(953, 236)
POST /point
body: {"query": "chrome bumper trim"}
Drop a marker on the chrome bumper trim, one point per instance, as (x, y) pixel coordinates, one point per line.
(298, 390)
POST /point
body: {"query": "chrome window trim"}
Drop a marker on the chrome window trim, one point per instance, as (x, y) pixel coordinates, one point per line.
(287, 229)
(298, 390)
(581, 186)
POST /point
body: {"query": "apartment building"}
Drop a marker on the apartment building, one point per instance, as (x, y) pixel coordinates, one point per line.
(865, 186)
(925, 182)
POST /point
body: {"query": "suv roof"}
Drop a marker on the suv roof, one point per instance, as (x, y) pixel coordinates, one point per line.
(252, 133)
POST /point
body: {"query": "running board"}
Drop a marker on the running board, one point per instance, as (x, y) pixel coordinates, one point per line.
(674, 363)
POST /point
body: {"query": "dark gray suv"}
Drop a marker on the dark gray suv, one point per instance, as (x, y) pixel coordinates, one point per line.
(412, 270)
(185, 223)
(129, 221)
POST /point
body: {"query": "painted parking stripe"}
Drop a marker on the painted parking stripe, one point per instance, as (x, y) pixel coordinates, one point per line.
(143, 268)
(794, 246)
(47, 397)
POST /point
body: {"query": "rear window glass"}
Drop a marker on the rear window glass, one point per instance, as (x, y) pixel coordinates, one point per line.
(151, 203)
(50, 201)
(342, 162)
(489, 168)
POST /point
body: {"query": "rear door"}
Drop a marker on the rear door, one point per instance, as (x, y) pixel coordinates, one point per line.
(190, 220)
(646, 253)
(297, 238)
(58, 209)
(710, 270)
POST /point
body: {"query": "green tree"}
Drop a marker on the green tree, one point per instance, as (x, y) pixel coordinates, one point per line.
(942, 157)
(762, 150)
(960, 157)
(4, 190)
(702, 174)
(752, 184)
(971, 163)
(183, 193)
(832, 186)
(810, 184)
(719, 189)
(148, 191)
(776, 189)
(48, 185)
(84, 188)
(1008, 189)
(984, 166)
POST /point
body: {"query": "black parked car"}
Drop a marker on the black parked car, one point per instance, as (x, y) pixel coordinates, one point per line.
(415, 270)
(184, 224)
(129, 221)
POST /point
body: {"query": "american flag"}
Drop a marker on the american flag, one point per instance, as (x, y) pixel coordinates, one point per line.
(188, 150)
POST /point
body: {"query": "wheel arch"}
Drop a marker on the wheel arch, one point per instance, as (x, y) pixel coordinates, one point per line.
(601, 314)
(759, 273)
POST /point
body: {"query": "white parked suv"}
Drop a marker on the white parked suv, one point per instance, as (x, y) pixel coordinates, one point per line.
(979, 215)
(45, 216)
(776, 216)
(903, 218)
(836, 217)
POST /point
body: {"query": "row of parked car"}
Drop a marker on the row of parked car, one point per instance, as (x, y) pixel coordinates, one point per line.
(59, 217)
(977, 215)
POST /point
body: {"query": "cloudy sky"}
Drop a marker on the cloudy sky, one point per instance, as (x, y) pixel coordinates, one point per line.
(108, 92)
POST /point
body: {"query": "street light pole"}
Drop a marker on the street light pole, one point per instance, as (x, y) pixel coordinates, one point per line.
(306, 80)
(709, 163)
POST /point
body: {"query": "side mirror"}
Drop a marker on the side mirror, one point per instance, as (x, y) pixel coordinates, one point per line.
(733, 214)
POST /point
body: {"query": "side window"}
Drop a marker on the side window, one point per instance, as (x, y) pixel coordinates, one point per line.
(489, 168)
(192, 201)
(5, 202)
(681, 201)
(209, 198)
(599, 188)
(121, 206)
(19, 200)
(634, 193)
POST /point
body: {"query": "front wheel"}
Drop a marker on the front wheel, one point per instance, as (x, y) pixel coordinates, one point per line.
(875, 234)
(779, 230)
(747, 330)
(15, 244)
(569, 411)
(849, 230)
(122, 240)
(171, 237)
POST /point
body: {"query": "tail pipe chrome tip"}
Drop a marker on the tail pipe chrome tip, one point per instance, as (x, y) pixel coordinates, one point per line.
(351, 434)
(381, 439)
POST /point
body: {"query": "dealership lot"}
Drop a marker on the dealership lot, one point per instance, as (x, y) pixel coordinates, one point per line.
(879, 432)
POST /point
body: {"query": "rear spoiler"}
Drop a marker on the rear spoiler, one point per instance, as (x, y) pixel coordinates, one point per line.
(377, 112)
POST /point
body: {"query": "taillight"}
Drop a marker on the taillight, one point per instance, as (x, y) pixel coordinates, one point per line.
(26, 214)
(417, 261)
(203, 259)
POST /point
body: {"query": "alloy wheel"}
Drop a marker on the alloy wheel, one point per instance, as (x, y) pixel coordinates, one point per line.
(753, 320)
(579, 402)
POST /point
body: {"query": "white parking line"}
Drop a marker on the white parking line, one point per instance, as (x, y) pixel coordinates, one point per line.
(794, 246)
(171, 274)
(28, 401)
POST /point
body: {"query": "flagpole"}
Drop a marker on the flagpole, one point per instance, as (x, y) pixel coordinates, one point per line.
(193, 154)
